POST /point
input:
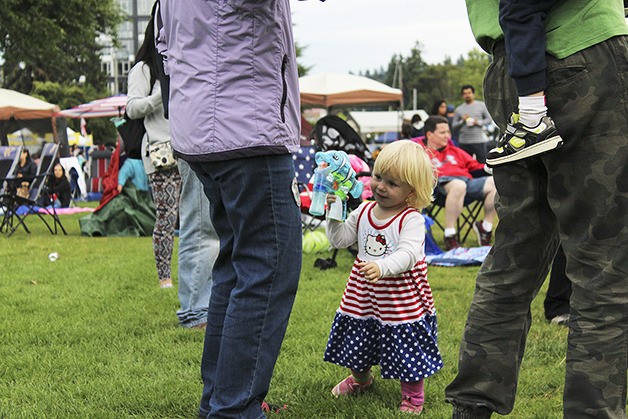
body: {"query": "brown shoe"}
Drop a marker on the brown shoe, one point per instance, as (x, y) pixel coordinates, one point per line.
(484, 237)
(451, 242)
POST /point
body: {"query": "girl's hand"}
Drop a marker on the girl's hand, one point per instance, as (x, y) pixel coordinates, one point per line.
(370, 270)
(331, 198)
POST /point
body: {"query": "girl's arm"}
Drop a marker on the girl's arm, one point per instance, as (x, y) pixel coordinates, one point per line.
(409, 250)
(140, 102)
(343, 235)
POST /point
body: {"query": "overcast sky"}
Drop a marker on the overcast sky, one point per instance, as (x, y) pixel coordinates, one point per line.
(357, 35)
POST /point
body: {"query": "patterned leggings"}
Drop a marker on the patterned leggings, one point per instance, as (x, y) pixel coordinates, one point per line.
(165, 186)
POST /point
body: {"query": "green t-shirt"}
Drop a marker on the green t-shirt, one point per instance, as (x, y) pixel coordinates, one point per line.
(571, 26)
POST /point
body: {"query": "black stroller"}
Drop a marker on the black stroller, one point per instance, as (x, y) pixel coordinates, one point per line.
(333, 133)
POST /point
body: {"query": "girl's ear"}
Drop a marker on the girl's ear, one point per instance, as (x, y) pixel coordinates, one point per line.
(411, 195)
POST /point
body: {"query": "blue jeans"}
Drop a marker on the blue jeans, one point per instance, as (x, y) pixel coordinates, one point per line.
(257, 218)
(198, 249)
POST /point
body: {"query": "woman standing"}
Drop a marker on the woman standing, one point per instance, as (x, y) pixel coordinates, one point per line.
(144, 101)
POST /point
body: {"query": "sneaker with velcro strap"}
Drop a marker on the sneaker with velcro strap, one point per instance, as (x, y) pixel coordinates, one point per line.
(520, 141)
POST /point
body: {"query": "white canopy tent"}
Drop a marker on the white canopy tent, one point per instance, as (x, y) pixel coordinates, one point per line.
(370, 122)
(330, 89)
(16, 105)
(18, 110)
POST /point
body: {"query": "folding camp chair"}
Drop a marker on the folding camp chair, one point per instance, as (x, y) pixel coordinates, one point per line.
(464, 224)
(9, 159)
(19, 208)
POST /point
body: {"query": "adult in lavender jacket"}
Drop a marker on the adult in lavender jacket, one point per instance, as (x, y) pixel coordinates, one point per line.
(234, 117)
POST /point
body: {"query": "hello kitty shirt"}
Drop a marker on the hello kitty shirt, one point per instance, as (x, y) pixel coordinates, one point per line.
(392, 322)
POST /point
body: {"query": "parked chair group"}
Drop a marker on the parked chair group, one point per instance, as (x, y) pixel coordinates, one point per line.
(18, 208)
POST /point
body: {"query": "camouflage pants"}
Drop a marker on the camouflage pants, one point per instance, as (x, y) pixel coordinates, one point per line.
(576, 195)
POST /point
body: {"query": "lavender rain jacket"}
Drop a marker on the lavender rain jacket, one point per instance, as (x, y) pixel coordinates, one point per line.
(233, 78)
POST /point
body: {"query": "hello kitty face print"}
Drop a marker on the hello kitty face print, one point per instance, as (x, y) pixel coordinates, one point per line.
(376, 245)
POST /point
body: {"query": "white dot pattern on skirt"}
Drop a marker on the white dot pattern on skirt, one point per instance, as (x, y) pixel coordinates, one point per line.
(406, 352)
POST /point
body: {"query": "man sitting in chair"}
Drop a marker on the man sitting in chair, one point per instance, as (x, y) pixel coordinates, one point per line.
(456, 182)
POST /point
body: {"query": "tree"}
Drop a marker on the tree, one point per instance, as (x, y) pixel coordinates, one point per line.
(54, 41)
(302, 69)
(70, 95)
(434, 81)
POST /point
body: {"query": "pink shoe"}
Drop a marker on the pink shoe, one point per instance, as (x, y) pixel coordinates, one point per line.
(349, 387)
(408, 407)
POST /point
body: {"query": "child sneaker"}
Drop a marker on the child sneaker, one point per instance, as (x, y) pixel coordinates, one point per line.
(484, 237)
(408, 407)
(349, 387)
(520, 141)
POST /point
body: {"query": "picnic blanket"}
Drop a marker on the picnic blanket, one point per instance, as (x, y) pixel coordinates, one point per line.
(462, 256)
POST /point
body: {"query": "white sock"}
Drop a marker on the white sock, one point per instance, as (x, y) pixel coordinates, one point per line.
(487, 226)
(531, 110)
(450, 232)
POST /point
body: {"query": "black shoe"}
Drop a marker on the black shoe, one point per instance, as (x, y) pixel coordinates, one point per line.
(520, 142)
(324, 264)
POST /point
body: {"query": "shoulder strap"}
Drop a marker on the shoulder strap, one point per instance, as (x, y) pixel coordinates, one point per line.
(364, 208)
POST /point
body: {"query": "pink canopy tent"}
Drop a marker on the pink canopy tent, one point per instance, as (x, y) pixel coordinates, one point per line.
(108, 107)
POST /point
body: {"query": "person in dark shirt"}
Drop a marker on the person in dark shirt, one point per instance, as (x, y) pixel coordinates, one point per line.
(59, 188)
(27, 168)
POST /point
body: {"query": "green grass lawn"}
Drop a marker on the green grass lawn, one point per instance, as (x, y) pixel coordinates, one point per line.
(92, 336)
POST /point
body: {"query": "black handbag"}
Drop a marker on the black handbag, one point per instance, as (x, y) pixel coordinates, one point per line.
(132, 132)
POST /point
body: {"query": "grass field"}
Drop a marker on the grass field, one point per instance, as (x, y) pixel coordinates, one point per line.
(92, 336)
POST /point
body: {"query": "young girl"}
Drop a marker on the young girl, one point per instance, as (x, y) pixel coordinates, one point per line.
(387, 314)
(144, 101)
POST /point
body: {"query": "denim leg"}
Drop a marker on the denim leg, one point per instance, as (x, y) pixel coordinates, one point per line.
(198, 249)
(255, 278)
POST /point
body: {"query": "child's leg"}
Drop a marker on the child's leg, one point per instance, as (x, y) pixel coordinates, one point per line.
(356, 383)
(361, 377)
(412, 397)
(530, 132)
(532, 108)
(523, 24)
(413, 392)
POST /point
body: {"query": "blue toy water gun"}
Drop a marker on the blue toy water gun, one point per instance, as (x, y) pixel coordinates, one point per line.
(334, 174)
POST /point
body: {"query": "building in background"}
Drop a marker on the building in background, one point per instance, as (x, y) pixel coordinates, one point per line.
(117, 60)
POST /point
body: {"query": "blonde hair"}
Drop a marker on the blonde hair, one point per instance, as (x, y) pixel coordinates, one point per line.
(408, 162)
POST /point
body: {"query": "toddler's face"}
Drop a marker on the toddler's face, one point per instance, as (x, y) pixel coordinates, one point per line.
(389, 191)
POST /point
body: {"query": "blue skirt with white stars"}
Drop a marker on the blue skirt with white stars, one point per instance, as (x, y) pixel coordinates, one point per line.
(406, 352)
